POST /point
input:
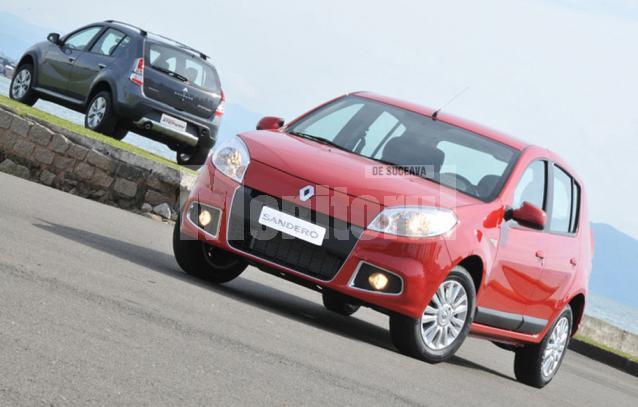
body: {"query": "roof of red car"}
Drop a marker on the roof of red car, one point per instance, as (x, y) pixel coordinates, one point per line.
(448, 118)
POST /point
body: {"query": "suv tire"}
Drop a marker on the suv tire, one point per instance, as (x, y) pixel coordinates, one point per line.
(338, 303)
(21, 88)
(100, 116)
(204, 261)
(194, 159)
(536, 365)
(445, 323)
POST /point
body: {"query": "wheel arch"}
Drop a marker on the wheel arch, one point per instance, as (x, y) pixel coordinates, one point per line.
(99, 86)
(475, 266)
(577, 304)
(29, 58)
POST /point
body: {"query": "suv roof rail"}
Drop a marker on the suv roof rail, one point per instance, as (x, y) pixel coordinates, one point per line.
(146, 33)
(201, 54)
(141, 30)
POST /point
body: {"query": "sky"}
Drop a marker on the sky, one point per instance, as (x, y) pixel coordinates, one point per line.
(562, 74)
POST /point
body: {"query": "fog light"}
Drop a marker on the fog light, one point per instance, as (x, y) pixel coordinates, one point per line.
(378, 281)
(205, 218)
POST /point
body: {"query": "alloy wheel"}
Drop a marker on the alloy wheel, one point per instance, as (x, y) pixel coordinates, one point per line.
(21, 84)
(555, 347)
(96, 112)
(443, 319)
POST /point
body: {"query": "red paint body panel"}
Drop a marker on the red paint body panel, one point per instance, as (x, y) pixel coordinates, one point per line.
(513, 278)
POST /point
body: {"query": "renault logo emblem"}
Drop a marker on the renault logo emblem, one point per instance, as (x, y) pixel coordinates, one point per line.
(306, 193)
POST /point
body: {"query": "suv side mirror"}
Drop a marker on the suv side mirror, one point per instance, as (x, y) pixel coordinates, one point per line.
(54, 38)
(270, 123)
(529, 215)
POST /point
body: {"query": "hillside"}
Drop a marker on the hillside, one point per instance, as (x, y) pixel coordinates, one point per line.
(615, 272)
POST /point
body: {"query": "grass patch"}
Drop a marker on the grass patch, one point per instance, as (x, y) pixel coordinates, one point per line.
(604, 347)
(26, 111)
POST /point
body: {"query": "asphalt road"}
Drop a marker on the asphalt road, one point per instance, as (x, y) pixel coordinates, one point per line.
(95, 311)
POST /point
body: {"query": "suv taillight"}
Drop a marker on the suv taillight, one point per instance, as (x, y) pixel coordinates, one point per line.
(220, 108)
(137, 76)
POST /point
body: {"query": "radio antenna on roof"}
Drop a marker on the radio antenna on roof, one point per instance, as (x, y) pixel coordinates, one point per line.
(435, 115)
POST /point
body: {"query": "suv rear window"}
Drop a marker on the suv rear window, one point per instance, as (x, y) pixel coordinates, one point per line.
(186, 65)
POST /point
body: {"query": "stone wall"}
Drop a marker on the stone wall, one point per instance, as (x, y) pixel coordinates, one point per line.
(609, 335)
(87, 167)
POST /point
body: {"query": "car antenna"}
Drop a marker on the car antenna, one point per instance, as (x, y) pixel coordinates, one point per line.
(435, 115)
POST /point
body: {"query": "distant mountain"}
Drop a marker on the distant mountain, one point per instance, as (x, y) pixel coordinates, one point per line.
(16, 35)
(615, 270)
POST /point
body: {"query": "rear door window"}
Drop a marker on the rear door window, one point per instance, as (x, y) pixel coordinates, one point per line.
(565, 203)
(108, 42)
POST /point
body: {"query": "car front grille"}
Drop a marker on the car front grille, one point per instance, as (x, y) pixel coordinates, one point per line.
(321, 262)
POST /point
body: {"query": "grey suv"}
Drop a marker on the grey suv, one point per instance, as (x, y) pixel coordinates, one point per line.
(125, 78)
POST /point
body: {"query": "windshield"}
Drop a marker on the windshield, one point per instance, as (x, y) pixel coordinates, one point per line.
(457, 158)
(183, 66)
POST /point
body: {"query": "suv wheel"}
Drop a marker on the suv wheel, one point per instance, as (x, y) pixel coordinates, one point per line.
(193, 159)
(536, 365)
(338, 303)
(100, 117)
(205, 261)
(444, 324)
(21, 88)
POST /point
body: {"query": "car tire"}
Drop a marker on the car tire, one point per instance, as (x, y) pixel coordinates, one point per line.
(536, 365)
(21, 88)
(194, 159)
(205, 261)
(338, 303)
(119, 132)
(100, 116)
(445, 323)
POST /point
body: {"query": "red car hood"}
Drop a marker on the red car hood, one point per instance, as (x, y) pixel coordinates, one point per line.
(325, 165)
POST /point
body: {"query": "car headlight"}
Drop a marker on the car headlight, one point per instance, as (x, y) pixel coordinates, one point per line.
(414, 221)
(232, 158)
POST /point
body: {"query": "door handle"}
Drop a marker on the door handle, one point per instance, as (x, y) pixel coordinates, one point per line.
(540, 254)
(71, 59)
(101, 66)
(573, 262)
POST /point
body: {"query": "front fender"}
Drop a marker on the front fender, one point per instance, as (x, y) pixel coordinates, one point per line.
(478, 239)
(35, 54)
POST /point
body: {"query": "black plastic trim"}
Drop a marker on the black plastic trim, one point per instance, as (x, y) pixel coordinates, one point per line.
(508, 321)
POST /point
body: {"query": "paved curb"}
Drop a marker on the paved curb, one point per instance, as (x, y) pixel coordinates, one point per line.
(604, 356)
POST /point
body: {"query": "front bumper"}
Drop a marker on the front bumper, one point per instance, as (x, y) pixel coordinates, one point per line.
(421, 264)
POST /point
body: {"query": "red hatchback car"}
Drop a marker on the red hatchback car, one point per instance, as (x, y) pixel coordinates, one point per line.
(448, 227)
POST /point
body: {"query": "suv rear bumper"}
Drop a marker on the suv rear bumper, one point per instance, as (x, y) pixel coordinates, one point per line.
(131, 104)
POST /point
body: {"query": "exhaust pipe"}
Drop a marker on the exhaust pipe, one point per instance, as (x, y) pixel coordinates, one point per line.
(180, 136)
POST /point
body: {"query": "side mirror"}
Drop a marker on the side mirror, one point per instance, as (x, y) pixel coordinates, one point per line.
(54, 38)
(529, 215)
(270, 123)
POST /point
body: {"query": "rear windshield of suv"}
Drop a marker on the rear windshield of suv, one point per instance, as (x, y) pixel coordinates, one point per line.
(184, 65)
(468, 162)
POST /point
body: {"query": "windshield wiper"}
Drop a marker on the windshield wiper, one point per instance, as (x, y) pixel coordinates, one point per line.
(318, 140)
(170, 73)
